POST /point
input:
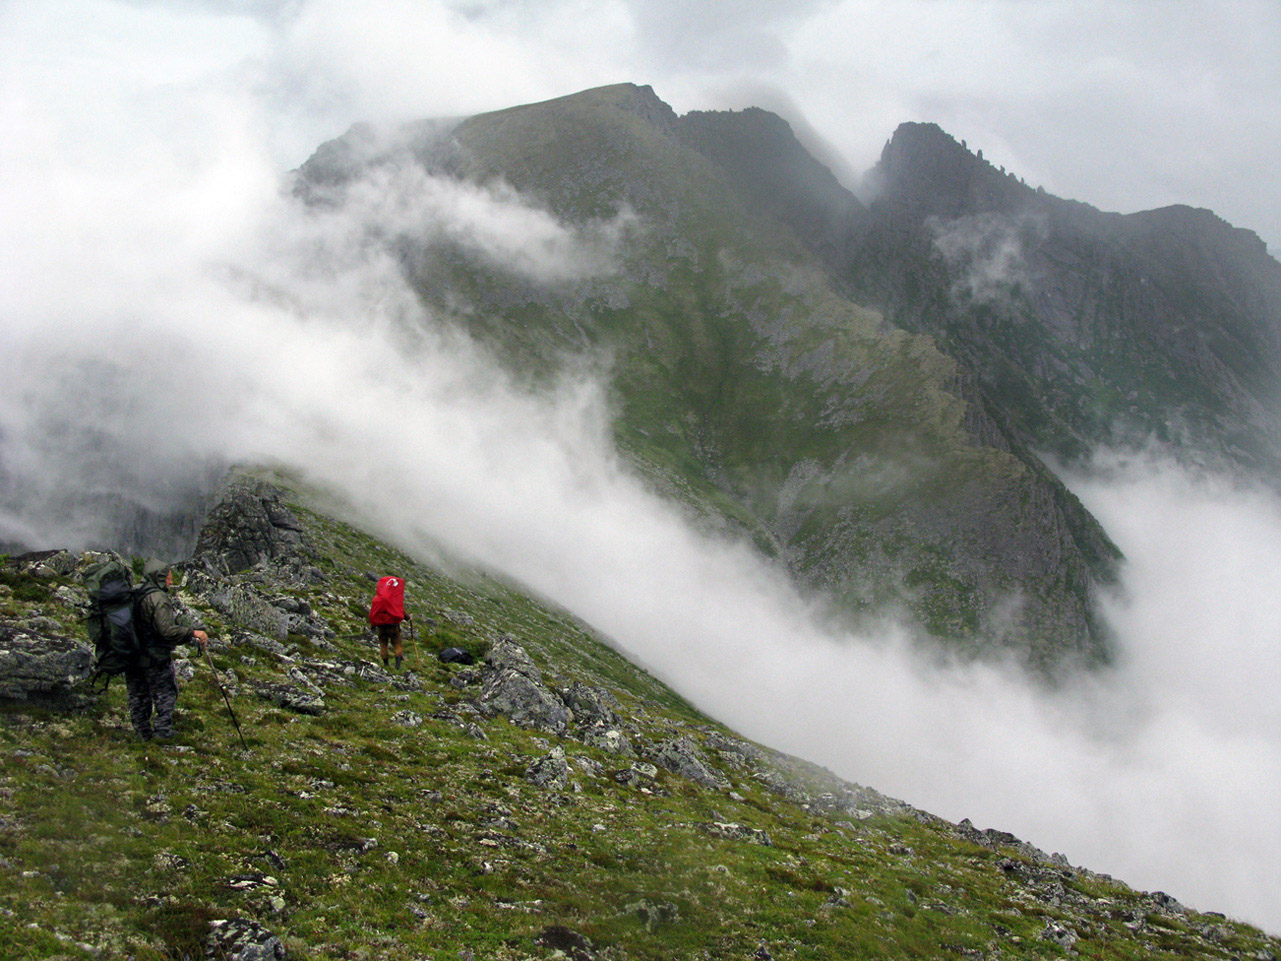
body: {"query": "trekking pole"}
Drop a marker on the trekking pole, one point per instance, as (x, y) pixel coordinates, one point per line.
(413, 636)
(214, 673)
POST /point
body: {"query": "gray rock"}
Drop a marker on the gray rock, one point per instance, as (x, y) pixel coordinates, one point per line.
(251, 609)
(184, 669)
(680, 756)
(290, 698)
(266, 644)
(652, 914)
(608, 739)
(241, 939)
(524, 700)
(506, 655)
(1063, 936)
(407, 719)
(246, 525)
(592, 706)
(550, 771)
(737, 832)
(37, 664)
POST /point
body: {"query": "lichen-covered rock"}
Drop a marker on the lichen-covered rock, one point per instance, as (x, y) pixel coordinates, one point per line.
(37, 664)
(290, 698)
(241, 939)
(737, 832)
(407, 719)
(524, 700)
(265, 644)
(247, 524)
(550, 771)
(680, 756)
(514, 687)
(609, 739)
(507, 655)
(592, 706)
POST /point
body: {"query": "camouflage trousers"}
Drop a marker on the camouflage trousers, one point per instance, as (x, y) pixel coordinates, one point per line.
(153, 693)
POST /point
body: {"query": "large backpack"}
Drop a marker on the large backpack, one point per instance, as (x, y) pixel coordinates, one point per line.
(117, 642)
(388, 606)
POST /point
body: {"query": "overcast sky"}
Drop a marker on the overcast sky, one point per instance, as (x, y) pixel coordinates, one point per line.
(1125, 104)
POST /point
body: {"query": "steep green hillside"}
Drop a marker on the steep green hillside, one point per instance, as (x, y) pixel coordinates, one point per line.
(747, 387)
(554, 802)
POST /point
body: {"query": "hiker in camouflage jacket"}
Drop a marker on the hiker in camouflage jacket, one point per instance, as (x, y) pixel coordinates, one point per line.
(151, 681)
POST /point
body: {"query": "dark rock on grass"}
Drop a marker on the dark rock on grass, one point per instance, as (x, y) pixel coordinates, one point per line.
(241, 939)
(39, 665)
(407, 719)
(514, 687)
(290, 698)
(507, 655)
(609, 739)
(652, 914)
(570, 943)
(592, 705)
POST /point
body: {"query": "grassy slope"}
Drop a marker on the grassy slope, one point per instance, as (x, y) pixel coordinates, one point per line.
(386, 841)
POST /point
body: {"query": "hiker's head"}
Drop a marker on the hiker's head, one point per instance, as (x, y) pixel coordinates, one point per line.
(158, 573)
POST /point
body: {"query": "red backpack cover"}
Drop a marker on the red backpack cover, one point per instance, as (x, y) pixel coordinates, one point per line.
(389, 601)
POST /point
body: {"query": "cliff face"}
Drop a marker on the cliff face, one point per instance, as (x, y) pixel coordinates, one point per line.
(750, 386)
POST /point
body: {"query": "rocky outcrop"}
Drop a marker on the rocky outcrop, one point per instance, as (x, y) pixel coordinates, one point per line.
(514, 687)
(248, 524)
(34, 664)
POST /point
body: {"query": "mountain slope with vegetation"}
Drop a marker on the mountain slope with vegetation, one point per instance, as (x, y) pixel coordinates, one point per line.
(748, 386)
(1079, 327)
(549, 801)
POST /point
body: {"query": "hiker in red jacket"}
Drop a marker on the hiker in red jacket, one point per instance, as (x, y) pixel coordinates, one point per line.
(385, 614)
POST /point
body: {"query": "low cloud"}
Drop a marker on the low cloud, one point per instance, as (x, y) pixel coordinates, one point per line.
(987, 250)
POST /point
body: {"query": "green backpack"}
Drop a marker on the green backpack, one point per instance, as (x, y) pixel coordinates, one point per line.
(110, 621)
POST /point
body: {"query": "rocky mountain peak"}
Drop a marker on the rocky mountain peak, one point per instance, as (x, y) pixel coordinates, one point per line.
(924, 168)
(769, 166)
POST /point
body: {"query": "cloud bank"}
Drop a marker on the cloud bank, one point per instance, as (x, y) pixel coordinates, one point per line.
(168, 309)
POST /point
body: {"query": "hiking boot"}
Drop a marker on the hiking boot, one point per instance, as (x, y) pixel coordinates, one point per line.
(398, 660)
(385, 662)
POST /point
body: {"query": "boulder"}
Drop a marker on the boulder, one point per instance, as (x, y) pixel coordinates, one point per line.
(241, 939)
(680, 756)
(248, 523)
(506, 655)
(513, 687)
(592, 706)
(34, 664)
(524, 700)
(290, 698)
(550, 771)
(737, 832)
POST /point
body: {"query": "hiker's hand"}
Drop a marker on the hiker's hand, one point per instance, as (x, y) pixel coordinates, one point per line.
(201, 638)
